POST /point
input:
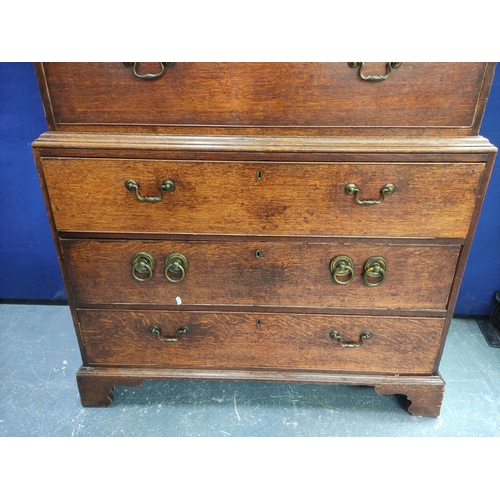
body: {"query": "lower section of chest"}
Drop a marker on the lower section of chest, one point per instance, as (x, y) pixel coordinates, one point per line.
(338, 267)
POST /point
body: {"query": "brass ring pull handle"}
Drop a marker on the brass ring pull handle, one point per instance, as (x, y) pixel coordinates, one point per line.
(334, 334)
(387, 190)
(375, 268)
(342, 269)
(167, 186)
(148, 76)
(143, 264)
(375, 78)
(157, 331)
(176, 264)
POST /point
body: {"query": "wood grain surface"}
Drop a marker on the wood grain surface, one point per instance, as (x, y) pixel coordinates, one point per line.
(286, 274)
(294, 96)
(431, 199)
(260, 341)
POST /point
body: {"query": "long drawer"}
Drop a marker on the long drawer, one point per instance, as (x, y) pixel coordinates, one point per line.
(265, 273)
(289, 96)
(110, 195)
(260, 341)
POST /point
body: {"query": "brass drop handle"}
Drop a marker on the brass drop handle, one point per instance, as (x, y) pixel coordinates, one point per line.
(375, 271)
(148, 76)
(166, 186)
(176, 264)
(387, 190)
(342, 269)
(143, 264)
(334, 334)
(375, 78)
(157, 331)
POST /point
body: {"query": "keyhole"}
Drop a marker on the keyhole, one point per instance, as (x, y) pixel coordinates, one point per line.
(259, 175)
(257, 254)
(258, 322)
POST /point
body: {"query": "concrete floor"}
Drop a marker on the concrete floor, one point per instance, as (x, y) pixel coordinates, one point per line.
(39, 358)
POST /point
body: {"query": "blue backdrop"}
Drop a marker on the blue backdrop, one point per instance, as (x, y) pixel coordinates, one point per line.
(29, 264)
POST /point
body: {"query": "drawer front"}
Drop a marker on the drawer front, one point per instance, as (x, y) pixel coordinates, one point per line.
(259, 341)
(429, 200)
(292, 95)
(272, 274)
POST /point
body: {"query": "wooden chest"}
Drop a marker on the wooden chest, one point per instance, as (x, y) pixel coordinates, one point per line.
(247, 221)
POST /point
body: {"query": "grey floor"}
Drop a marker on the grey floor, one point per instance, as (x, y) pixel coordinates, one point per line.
(39, 358)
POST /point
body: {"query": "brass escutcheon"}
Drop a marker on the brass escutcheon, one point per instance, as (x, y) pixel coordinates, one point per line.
(334, 334)
(166, 186)
(387, 190)
(155, 329)
(143, 263)
(149, 76)
(176, 264)
(342, 267)
(375, 268)
(375, 78)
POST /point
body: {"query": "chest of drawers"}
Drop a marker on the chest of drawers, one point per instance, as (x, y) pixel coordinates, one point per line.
(279, 222)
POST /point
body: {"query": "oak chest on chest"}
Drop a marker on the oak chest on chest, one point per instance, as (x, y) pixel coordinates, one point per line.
(264, 221)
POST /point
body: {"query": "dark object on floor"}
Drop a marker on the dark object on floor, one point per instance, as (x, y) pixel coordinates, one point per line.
(491, 327)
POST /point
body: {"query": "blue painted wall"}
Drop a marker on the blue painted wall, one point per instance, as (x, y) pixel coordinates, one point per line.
(29, 267)
(27, 252)
(482, 274)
